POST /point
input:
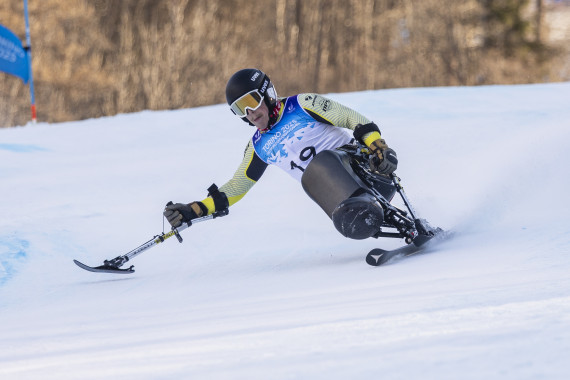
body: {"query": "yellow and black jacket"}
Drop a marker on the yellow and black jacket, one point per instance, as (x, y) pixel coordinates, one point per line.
(307, 124)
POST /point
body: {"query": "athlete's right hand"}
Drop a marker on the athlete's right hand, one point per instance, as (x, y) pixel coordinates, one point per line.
(178, 213)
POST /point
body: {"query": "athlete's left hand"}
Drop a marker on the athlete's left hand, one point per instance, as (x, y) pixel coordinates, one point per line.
(383, 160)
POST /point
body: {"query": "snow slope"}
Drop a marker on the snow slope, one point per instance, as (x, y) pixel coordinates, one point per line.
(272, 291)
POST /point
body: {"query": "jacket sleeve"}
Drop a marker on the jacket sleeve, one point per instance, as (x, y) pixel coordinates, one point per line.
(247, 174)
(334, 113)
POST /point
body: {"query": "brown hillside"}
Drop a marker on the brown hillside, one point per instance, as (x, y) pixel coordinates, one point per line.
(103, 57)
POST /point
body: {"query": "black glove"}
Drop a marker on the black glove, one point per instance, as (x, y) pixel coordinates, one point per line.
(179, 213)
(384, 159)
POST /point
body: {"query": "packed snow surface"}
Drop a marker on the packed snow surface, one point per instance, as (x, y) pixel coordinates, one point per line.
(273, 291)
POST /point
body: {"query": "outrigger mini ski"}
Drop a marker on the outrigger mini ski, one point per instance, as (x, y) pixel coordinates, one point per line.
(114, 265)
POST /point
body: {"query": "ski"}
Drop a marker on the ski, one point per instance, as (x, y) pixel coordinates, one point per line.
(114, 265)
(379, 256)
(105, 268)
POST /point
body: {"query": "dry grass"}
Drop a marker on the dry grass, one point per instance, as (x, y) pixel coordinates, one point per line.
(102, 57)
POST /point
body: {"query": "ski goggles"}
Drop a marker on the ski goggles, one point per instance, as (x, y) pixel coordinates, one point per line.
(251, 100)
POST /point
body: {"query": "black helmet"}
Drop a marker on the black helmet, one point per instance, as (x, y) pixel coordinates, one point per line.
(252, 81)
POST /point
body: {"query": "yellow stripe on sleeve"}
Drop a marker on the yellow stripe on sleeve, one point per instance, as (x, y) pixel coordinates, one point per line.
(371, 136)
(236, 188)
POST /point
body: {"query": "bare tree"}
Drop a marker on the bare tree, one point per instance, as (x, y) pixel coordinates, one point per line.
(102, 57)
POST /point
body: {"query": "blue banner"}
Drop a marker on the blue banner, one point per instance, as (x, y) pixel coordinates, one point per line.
(13, 57)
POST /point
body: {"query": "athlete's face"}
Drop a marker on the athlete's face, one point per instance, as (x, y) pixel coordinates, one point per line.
(259, 117)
